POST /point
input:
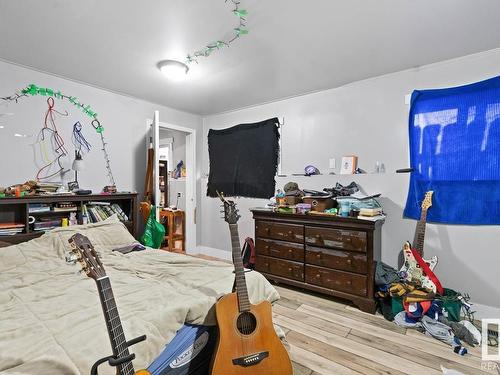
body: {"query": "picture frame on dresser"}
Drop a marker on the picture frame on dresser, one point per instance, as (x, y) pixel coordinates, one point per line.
(330, 255)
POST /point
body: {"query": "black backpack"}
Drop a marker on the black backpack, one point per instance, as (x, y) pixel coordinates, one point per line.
(248, 253)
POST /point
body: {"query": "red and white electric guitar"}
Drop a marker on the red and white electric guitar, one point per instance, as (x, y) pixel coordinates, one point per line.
(412, 269)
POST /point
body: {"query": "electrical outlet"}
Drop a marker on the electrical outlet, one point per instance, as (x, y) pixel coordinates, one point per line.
(179, 195)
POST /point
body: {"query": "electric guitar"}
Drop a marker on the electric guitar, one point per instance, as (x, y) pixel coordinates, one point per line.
(247, 342)
(411, 270)
(94, 269)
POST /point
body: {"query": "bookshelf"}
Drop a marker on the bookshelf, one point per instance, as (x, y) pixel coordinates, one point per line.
(16, 210)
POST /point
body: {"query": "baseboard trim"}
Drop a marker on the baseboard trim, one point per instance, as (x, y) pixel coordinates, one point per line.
(213, 252)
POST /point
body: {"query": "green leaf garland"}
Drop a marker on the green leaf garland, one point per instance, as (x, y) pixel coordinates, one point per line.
(239, 31)
(33, 90)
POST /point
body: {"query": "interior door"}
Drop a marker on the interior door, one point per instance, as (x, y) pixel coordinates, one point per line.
(191, 192)
(155, 134)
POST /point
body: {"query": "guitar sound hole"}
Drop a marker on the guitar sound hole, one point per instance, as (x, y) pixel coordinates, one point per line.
(246, 323)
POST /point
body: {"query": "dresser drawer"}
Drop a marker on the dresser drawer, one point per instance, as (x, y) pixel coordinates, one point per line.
(279, 267)
(340, 260)
(337, 280)
(278, 249)
(337, 238)
(279, 231)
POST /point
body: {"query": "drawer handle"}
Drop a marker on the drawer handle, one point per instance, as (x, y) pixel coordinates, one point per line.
(289, 269)
(349, 261)
(318, 255)
(290, 232)
(266, 264)
(348, 282)
(318, 276)
(348, 239)
(318, 236)
(266, 247)
(290, 251)
(267, 229)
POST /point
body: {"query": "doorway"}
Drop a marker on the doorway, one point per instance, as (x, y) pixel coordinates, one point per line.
(172, 144)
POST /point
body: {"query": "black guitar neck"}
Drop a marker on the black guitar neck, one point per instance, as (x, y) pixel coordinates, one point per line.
(114, 325)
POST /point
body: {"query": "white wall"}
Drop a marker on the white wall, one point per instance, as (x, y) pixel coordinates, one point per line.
(370, 119)
(123, 119)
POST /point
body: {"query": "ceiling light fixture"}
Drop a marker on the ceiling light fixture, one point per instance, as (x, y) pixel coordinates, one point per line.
(173, 70)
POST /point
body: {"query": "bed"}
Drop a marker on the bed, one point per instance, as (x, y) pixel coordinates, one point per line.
(50, 315)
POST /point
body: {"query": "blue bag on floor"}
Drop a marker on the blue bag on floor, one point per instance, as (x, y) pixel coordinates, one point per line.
(189, 352)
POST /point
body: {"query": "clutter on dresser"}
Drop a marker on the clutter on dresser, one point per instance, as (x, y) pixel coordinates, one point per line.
(343, 201)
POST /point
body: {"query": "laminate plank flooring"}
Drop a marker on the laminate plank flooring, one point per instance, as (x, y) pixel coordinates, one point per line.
(328, 337)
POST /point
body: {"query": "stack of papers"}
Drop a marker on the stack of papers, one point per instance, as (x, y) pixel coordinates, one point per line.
(9, 229)
(38, 207)
(47, 187)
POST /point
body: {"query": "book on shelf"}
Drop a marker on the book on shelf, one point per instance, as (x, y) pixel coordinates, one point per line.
(99, 211)
(11, 225)
(370, 211)
(11, 231)
(46, 224)
(65, 209)
(47, 187)
(372, 218)
(38, 207)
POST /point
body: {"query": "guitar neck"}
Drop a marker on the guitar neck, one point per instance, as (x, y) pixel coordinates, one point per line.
(114, 325)
(418, 240)
(239, 271)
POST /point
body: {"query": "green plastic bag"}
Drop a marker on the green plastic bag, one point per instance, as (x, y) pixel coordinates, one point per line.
(397, 305)
(154, 233)
(451, 304)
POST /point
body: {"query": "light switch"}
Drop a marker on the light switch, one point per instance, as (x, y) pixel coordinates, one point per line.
(332, 163)
(407, 99)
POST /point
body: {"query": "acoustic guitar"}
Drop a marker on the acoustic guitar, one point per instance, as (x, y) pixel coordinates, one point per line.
(411, 270)
(247, 342)
(93, 268)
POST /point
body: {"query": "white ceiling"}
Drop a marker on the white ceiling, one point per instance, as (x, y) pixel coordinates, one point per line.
(294, 46)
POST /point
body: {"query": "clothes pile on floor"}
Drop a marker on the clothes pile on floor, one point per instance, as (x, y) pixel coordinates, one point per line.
(411, 305)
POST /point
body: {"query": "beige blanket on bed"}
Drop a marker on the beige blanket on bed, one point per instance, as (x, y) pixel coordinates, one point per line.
(50, 315)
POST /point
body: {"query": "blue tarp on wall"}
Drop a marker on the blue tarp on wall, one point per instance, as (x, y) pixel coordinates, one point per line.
(455, 151)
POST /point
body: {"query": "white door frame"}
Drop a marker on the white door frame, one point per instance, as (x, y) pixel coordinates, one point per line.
(190, 230)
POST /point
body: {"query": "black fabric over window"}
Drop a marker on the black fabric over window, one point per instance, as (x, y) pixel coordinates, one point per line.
(244, 159)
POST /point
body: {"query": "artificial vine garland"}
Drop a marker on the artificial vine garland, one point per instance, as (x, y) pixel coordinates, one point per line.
(33, 90)
(240, 30)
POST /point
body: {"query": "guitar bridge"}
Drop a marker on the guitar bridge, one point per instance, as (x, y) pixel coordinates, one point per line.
(250, 360)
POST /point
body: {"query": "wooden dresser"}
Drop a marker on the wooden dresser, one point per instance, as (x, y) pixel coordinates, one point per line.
(330, 255)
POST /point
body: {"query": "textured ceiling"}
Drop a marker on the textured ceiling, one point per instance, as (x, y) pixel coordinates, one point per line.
(293, 46)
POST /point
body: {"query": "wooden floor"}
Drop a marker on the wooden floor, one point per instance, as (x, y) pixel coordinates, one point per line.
(329, 337)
